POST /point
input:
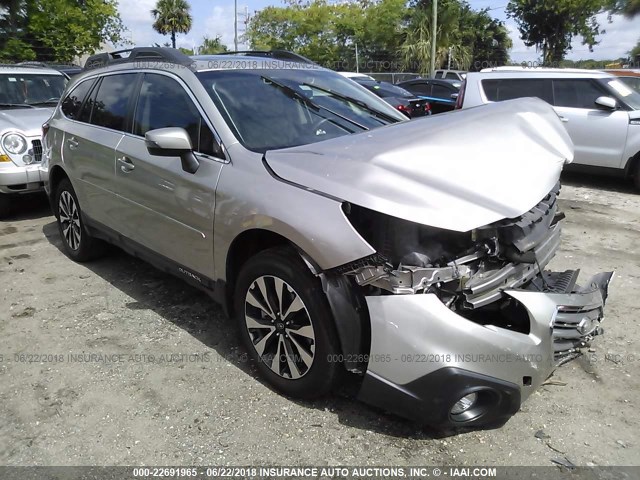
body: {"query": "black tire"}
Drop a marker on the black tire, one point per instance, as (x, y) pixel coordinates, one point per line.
(636, 174)
(270, 267)
(78, 244)
(5, 205)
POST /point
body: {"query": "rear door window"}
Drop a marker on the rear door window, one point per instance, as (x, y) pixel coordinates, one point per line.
(576, 93)
(440, 91)
(112, 101)
(420, 88)
(163, 102)
(498, 90)
(73, 102)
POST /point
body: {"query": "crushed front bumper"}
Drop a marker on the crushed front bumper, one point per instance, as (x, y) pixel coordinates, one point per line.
(424, 357)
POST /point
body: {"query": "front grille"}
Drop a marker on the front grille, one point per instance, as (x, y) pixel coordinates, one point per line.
(37, 150)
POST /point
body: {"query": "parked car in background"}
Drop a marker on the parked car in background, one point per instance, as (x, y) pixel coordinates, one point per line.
(67, 69)
(356, 248)
(450, 74)
(357, 76)
(441, 94)
(398, 97)
(27, 98)
(628, 76)
(600, 112)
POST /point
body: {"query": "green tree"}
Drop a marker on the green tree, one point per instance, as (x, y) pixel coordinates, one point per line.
(172, 17)
(329, 32)
(465, 38)
(635, 53)
(629, 8)
(550, 25)
(212, 46)
(57, 30)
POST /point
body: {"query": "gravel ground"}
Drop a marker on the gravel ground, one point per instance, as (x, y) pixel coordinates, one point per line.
(209, 407)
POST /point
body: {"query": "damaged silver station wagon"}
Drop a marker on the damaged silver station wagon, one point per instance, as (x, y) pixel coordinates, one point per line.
(339, 235)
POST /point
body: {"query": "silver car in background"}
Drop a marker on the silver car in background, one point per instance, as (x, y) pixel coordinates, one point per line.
(27, 98)
(600, 112)
(331, 228)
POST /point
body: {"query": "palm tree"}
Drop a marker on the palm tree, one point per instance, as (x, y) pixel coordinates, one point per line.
(416, 48)
(171, 17)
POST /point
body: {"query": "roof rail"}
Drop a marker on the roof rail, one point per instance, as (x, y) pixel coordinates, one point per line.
(138, 54)
(275, 54)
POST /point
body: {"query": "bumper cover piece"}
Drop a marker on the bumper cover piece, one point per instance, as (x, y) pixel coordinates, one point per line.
(426, 357)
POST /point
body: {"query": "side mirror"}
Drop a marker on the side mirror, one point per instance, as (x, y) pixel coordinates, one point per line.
(607, 103)
(172, 142)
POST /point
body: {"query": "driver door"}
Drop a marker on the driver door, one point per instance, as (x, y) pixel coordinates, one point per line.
(165, 209)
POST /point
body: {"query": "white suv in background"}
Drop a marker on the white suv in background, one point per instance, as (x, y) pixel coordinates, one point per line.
(601, 114)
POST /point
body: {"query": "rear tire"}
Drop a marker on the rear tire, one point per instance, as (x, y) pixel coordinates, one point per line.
(78, 244)
(286, 324)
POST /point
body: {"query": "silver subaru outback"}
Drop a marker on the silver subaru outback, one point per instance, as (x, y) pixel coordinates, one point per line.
(330, 227)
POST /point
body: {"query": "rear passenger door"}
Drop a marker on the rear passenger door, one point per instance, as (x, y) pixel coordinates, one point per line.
(90, 139)
(161, 206)
(599, 135)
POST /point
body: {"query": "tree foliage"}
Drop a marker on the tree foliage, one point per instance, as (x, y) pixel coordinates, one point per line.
(465, 38)
(550, 25)
(172, 17)
(628, 8)
(382, 30)
(211, 46)
(57, 30)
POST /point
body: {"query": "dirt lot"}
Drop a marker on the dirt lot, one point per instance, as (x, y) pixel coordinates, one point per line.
(120, 407)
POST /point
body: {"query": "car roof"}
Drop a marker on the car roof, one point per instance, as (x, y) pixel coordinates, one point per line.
(447, 81)
(248, 62)
(516, 72)
(26, 69)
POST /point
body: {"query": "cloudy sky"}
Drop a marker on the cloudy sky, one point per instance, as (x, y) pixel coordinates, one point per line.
(217, 19)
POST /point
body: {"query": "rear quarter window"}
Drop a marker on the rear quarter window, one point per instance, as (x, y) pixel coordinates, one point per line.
(72, 104)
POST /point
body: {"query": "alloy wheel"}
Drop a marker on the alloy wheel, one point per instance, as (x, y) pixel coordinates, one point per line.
(69, 220)
(280, 327)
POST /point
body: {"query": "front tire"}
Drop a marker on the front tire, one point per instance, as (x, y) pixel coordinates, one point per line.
(5, 205)
(286, 324)
(78, 244)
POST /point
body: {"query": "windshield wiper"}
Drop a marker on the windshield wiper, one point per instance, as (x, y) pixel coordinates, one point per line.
(349, 99)
(22, 105)
(46, 102)
(291, 92)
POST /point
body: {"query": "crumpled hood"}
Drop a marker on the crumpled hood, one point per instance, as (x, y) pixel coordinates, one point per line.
(27, 120)
(456, 171)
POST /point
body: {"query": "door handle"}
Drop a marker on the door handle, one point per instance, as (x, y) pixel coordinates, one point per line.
(126, 165)
(73, 143)
(564, 119)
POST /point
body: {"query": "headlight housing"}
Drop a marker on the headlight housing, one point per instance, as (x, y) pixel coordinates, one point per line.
(14, 143)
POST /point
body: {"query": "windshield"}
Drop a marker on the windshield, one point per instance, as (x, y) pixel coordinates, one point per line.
(628, 96)
(633, 82)
(23, 90)
(269, 109)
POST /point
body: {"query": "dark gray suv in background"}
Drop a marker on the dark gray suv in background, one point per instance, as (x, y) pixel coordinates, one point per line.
(330, 227)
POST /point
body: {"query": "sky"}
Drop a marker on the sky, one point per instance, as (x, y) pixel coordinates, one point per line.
(217, 19)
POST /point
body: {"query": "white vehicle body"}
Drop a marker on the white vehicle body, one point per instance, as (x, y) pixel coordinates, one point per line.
(604, 136)
(23, 110)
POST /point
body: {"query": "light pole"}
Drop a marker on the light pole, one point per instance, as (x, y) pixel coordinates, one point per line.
(235, 25)
(434, 32)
